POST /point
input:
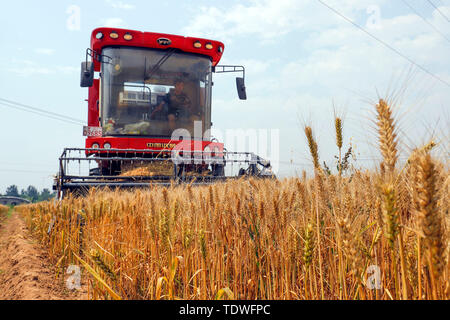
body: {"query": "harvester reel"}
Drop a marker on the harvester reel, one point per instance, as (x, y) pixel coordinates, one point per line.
(110, 173)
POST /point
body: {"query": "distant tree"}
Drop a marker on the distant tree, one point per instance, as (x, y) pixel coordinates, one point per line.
(12, 191)
(32, 193)
(46, 195)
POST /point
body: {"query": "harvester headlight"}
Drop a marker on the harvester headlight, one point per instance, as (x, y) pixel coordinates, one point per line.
(220, 49)
(209, 46)
(95, 146)
(107, 146)
(114, 35)
(128, 37)
(99, 36)
(197, 44)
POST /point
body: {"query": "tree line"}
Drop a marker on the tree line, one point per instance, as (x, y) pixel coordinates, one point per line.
(31, 193)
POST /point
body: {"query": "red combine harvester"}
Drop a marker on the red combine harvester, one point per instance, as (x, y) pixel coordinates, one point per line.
(149, 110)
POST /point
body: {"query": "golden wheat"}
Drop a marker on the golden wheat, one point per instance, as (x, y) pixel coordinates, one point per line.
(297, 238)
(3, 209)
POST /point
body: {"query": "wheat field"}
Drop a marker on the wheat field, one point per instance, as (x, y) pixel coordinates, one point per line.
(3, 209)
(356, 234)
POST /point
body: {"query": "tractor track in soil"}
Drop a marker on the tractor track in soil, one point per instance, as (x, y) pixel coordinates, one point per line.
(25, 270)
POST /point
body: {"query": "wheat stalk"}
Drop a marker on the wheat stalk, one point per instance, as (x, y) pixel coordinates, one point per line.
(387, 136)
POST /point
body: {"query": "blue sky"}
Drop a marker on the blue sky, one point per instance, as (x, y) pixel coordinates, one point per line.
(300, 57)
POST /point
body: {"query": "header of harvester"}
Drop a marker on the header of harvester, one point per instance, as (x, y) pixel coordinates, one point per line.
(107, 37)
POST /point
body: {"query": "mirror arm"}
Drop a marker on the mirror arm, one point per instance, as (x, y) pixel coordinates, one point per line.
(97, 56)
(240, 82)
(229, 69)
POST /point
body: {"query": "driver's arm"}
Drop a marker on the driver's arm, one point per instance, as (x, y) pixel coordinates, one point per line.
(159, 107)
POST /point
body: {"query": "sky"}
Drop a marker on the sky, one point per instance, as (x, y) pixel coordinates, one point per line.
(304, 60)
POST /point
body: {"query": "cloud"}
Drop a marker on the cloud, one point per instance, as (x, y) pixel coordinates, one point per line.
(333, 62)
(67, 70)
(120, 5)
(27, 68)
(44, 51)
(113, 22)
(269, 19)
(339, 56)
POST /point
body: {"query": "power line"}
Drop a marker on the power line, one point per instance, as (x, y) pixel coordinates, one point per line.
(40, 114)
(24, 164)
(386, 44)
(442, 3)
(38, 111)
(41, 110)
(423, 18)
(439, 10)
(296, 163)
(28, 171)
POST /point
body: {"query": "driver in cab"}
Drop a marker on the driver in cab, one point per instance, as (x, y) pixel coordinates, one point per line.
(179, 104)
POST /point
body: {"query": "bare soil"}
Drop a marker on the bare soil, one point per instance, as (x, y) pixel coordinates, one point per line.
(25, 270)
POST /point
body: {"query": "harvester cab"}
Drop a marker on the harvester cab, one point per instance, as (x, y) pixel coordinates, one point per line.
(149, 115)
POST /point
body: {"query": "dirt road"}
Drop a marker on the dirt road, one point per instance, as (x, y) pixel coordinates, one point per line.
(25, 272)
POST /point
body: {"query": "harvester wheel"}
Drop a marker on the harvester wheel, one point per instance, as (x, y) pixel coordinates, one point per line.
(218, 170)
(113, 168)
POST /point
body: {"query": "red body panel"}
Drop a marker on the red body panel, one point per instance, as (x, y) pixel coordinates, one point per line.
(148, 143)
(93, 104)
(144, 40)
(150, 40)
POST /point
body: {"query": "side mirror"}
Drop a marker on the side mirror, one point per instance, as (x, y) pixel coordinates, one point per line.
(87, 74)
(242, 92)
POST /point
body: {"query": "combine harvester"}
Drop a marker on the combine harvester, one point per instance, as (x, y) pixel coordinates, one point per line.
(149, 115)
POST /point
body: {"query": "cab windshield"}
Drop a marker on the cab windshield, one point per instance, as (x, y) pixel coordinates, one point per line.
(150, 92)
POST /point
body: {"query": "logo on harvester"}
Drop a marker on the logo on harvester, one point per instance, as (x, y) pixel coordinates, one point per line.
(164, 41)
(161, 145)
